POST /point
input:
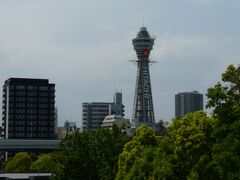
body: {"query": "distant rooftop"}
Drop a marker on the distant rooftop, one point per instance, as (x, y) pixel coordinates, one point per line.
(27, 81)
(189, 92)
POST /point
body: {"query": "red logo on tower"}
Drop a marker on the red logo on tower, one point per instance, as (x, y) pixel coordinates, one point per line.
(146, 53)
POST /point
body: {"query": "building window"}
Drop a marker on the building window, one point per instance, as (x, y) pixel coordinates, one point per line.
(43, 105)
(43, 94)
(31, 105)
(32, 99)
(43, 111)
(20, 87)
(20, 93)
(43, 88)
(20, 99)
(32, 93)
(32, 87)
(20, 116)
(43, 100)
(20, 105)
(32, 110)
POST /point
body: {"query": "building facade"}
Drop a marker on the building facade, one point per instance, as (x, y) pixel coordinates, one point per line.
(186, 102)
(118, 120)
(28, 109)
(143, 112)
(94, 113)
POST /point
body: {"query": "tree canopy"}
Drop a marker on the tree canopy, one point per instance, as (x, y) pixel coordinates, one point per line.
(90, 155)
(192, 142)
(175, 156)
(224, 98)
(44, 163)
(21, 162)
(132, 152)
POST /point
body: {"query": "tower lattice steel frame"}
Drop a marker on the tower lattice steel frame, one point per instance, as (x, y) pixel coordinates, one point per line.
(143, 112)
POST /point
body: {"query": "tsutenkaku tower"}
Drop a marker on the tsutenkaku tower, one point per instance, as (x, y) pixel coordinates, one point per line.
(143, 112)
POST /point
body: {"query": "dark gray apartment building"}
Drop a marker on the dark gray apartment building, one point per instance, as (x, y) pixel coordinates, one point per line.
(186, 102)
(94, 113)
(28, 109)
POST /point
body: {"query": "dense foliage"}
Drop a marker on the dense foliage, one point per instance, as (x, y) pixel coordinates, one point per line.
(45, 163)
(21, 162)
(176, 156)
(193, 147)
(90, 155)
(225, 100)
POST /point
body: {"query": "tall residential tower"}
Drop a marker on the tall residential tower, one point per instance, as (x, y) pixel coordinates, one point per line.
(143, 112)
(28, 109)
(186, 102)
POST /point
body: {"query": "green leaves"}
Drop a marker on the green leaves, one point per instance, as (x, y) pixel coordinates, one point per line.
(21, 162)
(90, 155)
(225, 99)
(145, 136)
(191, 138)
(192, 132)
(178, 155)
(45, 163)
(138, 157)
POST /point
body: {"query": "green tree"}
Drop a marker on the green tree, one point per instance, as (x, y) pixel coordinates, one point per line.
(90, 155)
(45, 163)
(154, 162)
(182, 153)
(224, 98)
(191, 137)
(132, 163)
(21, 162)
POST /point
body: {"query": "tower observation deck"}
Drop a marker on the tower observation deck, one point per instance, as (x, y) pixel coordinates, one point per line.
(143, 112)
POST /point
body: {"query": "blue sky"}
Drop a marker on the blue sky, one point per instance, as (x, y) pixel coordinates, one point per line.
(84, 47)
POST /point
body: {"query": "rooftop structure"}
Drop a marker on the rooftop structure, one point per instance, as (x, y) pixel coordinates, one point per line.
(118, 120)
